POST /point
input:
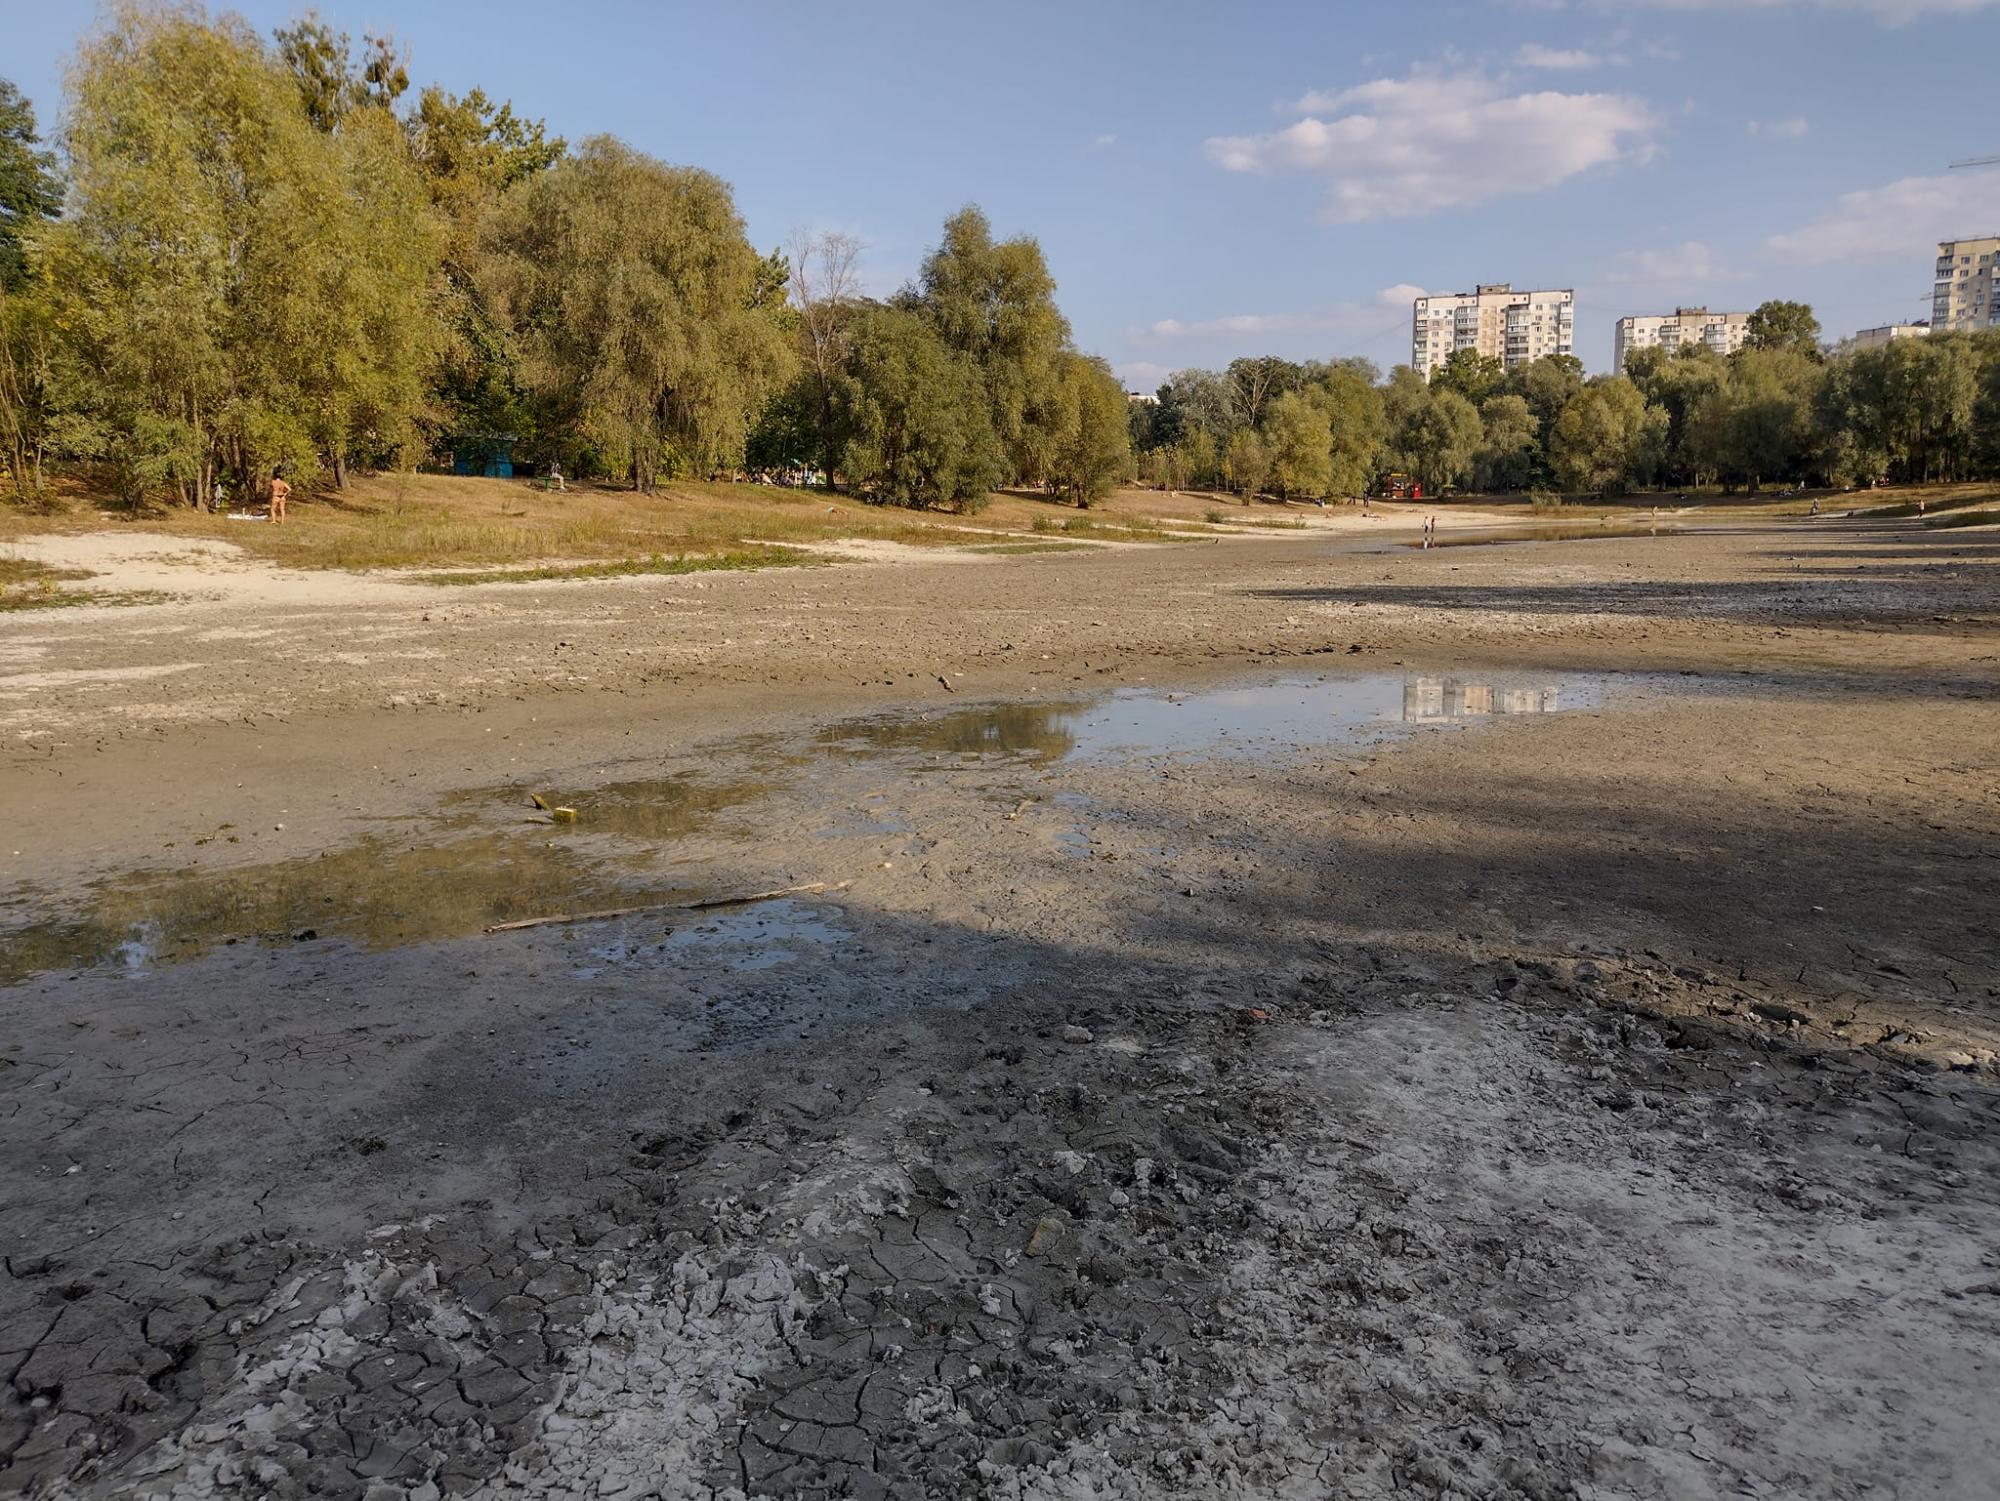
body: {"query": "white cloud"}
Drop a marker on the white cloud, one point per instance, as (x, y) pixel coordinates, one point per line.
(1399, 148)
(1143, 375)
(1690, 261)
(1339, 324)
(1791, 128)
(1107, 139)
(1558, 59)
(1900, 220)
(1889, 12)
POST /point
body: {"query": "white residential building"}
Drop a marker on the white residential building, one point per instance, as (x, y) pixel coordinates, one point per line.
(1721, 333)
(1888, 333)
(1497, 321)
(1966, 295)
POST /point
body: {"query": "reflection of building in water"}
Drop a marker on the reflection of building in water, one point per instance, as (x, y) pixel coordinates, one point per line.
(1455, 698)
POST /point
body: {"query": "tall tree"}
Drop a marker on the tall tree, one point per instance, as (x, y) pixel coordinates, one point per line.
(1258, 381)
(1301, 445)
(1440, 439)
(914, 428)
(631, 290)
(1778, 324)
(1088, 452)
(1604, 435)
(1508, 446)
(1473, 375)
(247, 289)
(825, 286)
(471, 151)
(1195, 401)
(1247, 462)
(1358, 425)
(30, 190)
(994, 301)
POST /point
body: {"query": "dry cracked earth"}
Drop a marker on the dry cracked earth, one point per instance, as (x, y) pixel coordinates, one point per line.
(1581, 1104)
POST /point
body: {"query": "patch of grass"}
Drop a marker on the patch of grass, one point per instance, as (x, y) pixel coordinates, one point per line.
(26, 585)
(1964, 518)
(446, 521)
(1274, 523)
(1213, 517)
(718, 562)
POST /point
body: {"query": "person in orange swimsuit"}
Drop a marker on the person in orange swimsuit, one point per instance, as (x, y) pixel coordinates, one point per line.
(280, 493)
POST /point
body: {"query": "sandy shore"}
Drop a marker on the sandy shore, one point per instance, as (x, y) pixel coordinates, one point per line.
(1200, 1075)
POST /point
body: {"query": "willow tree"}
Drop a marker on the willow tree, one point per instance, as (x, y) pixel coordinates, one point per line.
(995, 302)
(636, 306)
(1089, 449)
(908, 418)
(245, 288)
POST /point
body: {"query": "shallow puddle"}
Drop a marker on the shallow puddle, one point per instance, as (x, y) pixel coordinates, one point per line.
(490, 856)
(1293, 711)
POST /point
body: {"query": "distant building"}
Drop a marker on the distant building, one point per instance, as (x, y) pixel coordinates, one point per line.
(1494, 320)
(1142, 398)
(1888, 333)
(1721, 333)
(1966, 295)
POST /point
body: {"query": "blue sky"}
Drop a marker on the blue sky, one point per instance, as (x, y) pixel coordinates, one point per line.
(1211, 180)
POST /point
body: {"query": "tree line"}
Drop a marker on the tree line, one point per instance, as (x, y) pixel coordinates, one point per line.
(256, 253)
(1781, 410)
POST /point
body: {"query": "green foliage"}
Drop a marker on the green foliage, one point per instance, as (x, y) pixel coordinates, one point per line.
(1605, 436)
(1088, 449)
(1247, 462)
(1358, 426)
(30, 190)
(911, 417)
(242, 288)
(1257, 383)
(1781, 325)
(1195, 401)
(994, 302)
(1440, 440)
(1301, 445)
(631, 289)
(1508, 450)
(1473, 375)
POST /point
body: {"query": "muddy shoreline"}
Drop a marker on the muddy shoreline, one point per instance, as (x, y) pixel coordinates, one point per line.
(1592, 1103)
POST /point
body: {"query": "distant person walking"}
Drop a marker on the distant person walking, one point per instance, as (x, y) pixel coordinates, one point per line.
(280, 493)
(555, 481)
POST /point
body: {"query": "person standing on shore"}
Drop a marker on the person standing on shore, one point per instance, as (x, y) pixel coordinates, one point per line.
(280, 493)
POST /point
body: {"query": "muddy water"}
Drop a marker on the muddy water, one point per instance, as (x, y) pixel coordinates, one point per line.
(489, 855)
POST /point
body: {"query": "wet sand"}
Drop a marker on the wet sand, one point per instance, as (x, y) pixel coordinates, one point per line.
(1202, 1076)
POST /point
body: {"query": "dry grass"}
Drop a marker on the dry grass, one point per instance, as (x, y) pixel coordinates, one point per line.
(441, 521)
(715, 562)
(35, 586)
(444, 522)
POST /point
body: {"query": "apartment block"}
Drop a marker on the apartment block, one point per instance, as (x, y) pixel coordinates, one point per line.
(1720, 333)
(1888, 333)
(1966, 295)
(1497, 321)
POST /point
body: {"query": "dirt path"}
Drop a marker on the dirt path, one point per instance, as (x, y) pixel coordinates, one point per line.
(1597, 1102)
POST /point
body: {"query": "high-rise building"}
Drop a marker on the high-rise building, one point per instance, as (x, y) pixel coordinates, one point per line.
(1967, 293)
(1497, 321)
(1888, 333)
(1721, 333)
